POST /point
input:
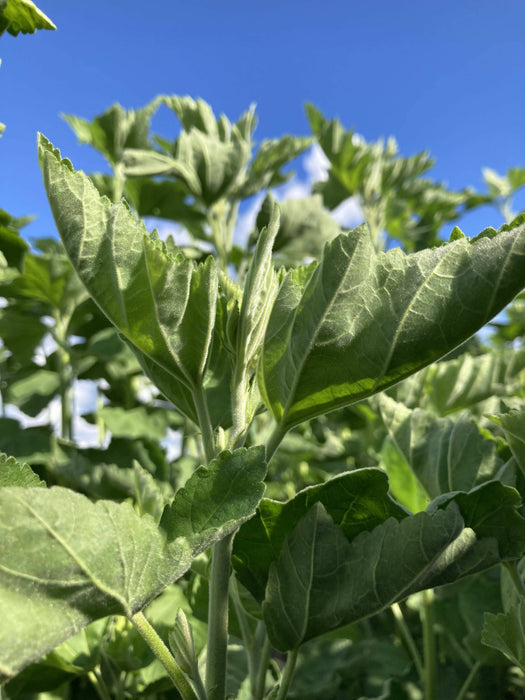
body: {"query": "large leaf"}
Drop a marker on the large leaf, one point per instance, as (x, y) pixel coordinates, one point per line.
(366, 320)
(65, 562)
(164, 305)
(357, 501)
(445, 456)
(217, 499)
(322, 582)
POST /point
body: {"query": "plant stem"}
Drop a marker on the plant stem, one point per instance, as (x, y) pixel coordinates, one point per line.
(288, 672)
(163, 654)
(512, 568)
(429, 645)
(218, 619)
(275, 440)
(466, 685)
(264, 657)
(64, 374)
(247, 637)
(99, 685)
(204, 423)
(408, 639)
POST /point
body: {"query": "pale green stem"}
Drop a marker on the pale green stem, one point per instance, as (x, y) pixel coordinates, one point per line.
(512, 568)
(218, 619)
(429, 645)
(466, 685)
(264, 657)
(204, 423)
(247, 637)
(287, 676)
(163, 654)
(99, 686)
(238, 404)
(119, 180)
(408, 639)
(64, 375)
(275, 440)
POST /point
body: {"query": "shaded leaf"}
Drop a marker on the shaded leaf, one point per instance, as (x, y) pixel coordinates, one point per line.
(506, 632)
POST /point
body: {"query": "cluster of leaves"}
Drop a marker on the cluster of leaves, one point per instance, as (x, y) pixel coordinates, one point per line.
(363, 528)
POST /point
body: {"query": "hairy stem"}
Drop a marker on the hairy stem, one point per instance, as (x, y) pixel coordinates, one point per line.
(163, 654)
(218, 619)
(247, 637)
(204, 424)
(275, 440)
(99, 685)
(287, 676)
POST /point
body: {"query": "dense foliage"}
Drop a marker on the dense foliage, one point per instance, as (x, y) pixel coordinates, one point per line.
(309, 470)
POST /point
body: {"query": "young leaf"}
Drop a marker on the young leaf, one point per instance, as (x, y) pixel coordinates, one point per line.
(366, 320)
(217, 499)
(65, 562)
(513, 423)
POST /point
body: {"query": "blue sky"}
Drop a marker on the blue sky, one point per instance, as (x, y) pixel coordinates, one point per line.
(445, 75)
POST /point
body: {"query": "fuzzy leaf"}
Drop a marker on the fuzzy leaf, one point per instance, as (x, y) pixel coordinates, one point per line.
(506, 632)
(12, 473)
(65, 562)
(217, 499)
(366, 320)
(22, 16)
(164, 305)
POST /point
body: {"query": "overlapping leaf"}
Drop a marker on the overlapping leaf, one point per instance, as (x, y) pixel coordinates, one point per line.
(366, 320)
(322, 581)
(12, 473)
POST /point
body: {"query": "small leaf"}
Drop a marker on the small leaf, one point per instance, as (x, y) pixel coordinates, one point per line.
(217, 499)
(12, 473)
(505, 632)
(22, 16)
(513, 423)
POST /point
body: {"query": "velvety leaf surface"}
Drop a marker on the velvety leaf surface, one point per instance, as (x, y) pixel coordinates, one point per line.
(506, 632)
(366, 320)
(65, 562)
(12, 473)
(321, 581)
(356, 501)
(164, 305)
(217, 499)
(444, 455)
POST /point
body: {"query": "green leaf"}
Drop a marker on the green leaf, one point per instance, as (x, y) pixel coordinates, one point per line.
(22, 16)
(65, 562)
(12, 473)
(322, 582)
(357, 501)
(138, 422)
(163, 304)
(444, 455)
(304, 229)
(366, 320)
(115, 130)
(513, 423)
(33, 393)
(265, 169)
(217, 499)
(505, 632)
